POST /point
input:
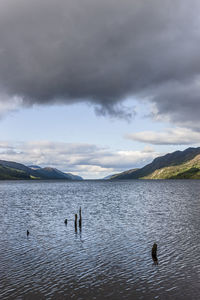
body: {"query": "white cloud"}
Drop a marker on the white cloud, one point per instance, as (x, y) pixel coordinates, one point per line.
(171, 136)
(87, 160)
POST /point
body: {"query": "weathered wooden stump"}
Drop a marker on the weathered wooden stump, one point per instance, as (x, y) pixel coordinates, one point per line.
(75, 222)
(80, 218)
(154, 252)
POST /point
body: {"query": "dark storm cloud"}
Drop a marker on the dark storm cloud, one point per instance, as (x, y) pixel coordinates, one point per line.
(101, 52)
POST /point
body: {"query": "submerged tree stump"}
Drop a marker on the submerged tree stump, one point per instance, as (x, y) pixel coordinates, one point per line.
(75, 222)
(154, 252)
(80, 218)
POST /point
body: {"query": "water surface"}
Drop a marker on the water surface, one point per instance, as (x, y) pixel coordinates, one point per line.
(111, 257)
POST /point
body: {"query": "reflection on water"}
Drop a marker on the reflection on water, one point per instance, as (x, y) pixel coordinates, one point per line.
(111, 257)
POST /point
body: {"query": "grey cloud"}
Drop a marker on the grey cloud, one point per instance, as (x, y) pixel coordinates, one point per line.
(181, 102)
(118, 110)
(101, 52)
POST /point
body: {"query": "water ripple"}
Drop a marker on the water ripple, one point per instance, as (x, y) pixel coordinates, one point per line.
(111, 257)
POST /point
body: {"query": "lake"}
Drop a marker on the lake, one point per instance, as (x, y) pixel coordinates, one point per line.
(110, 258)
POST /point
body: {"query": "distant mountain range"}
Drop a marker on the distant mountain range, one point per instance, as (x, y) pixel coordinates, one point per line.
(13, 170)
(177, 165)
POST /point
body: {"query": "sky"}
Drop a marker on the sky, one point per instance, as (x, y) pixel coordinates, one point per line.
(98, 87)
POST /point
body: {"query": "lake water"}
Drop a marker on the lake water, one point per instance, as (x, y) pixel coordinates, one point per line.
(111, 257)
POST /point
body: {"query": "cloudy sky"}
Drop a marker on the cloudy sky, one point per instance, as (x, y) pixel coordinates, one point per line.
(97, 87)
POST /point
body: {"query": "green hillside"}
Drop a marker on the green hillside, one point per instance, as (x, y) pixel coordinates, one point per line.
(188, 170)
(7, 173)
(177, 165)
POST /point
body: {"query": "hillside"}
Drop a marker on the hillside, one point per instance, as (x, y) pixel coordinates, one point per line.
(13, 170)
(53, 173)
(176, 165)
(10, 173)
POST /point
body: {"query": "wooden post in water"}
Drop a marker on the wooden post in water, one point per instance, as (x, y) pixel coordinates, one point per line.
(75, 223)
(80, 218)
(65, 221)
(154, 252)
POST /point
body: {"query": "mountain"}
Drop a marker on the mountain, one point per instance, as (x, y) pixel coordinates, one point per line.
(52, 173)
(13, 170)
(74, 177)
(177, 165)
(108, 177)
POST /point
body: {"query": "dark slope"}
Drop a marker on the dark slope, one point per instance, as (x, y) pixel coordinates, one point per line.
(52, 173)
(9, 173)
(19, 167)
(13, 170)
